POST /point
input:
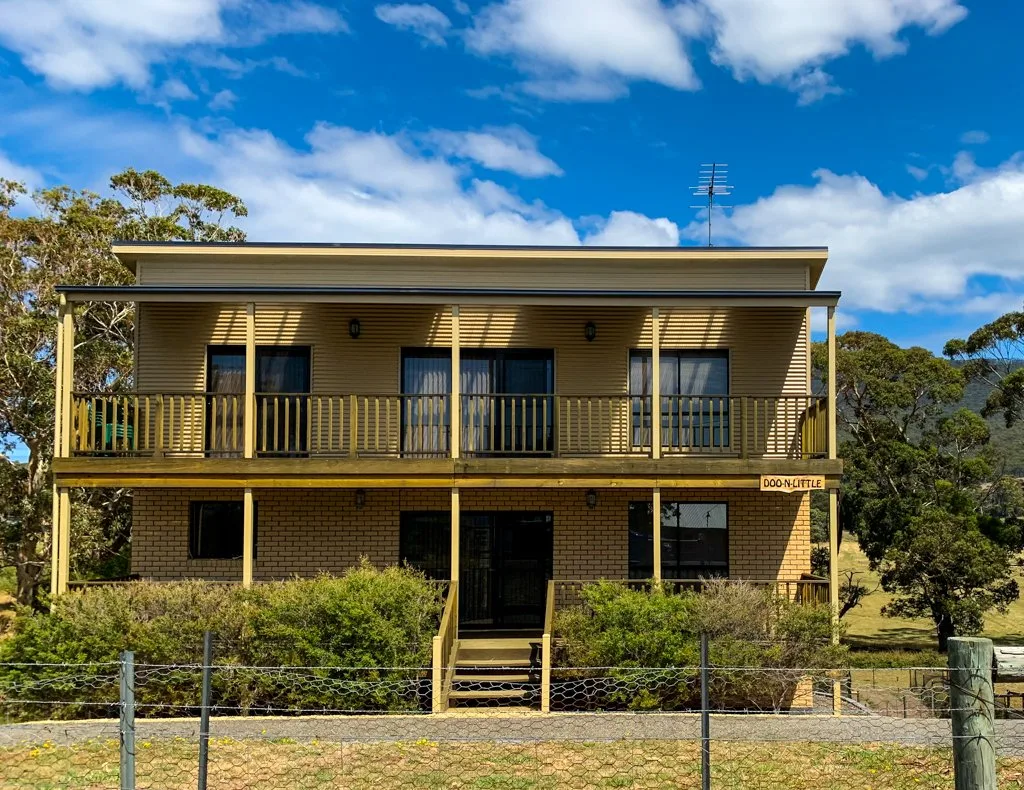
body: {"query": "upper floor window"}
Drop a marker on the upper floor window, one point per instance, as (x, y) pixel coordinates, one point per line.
(283, 376)
(507, 400)
(694, 397)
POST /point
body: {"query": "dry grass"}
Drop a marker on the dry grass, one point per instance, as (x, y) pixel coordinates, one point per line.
(867, 628)
(268, 765)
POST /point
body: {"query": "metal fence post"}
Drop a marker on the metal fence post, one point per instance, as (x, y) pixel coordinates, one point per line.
(127, 724)
(705, 716)
(204, 711)
(973, 713)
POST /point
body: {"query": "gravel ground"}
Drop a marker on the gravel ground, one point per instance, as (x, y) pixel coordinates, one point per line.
(503, 725)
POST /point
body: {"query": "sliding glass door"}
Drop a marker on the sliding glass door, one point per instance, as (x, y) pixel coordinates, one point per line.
(426, 411)
(282, 408)
(508, 401)
(282, 412)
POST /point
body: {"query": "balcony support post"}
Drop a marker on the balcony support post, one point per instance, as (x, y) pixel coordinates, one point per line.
(58, 381)
(656, 525)
(67, 377)
(249, 412)
(833, 438)
(655, 383)
(456, 519)
(456, 409)
(62, 546)
(248, 537)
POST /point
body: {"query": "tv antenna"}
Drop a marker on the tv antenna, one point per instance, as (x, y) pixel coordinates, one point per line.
(713, 182)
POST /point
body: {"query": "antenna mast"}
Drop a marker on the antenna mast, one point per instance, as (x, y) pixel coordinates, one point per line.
(712, 182)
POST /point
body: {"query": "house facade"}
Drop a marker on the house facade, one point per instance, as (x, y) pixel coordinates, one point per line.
(503, 417)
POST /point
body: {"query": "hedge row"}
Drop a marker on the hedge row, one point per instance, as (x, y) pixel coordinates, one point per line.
(758, 641)
(362, 635)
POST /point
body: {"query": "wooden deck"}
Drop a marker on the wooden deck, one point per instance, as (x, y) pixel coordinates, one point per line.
(639, 472)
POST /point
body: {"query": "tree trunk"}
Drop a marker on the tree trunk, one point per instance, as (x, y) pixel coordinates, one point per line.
(945, 629)
(35, 524)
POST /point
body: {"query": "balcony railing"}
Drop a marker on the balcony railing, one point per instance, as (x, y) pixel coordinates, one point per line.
(211, 424)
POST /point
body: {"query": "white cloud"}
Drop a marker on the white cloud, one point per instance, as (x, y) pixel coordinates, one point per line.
(82, 45)
(223, 100)
(584, 44)
(351, 185)
(891, 253)
(919, 173)
(509, 148)
(426, 21)
(593, 49)
(784, 41)
(12, 171)
(460, 7)
(176, 90)
(974, 137)
(629, 229)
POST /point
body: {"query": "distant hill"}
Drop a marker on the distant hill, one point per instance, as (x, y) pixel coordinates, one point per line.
(1009, 441)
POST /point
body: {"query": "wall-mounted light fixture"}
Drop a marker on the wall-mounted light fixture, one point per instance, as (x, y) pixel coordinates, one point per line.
(354, 328)
(591, 498)
(590, 331)
(360, 498)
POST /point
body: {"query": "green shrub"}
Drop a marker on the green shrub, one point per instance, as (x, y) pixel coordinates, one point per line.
(361, 636)
(628, 629)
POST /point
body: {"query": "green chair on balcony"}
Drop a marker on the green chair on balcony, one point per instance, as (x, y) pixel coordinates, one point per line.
(113, 427)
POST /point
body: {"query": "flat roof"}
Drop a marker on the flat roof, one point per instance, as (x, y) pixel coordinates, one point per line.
(412, 247)
(227, 252)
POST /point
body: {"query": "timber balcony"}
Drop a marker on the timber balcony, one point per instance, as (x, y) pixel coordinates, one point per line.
(212, 425)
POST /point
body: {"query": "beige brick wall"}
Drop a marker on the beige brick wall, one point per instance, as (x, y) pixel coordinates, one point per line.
(305, 531)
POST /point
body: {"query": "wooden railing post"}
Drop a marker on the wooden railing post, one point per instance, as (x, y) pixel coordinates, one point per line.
(743, 427)
(158, 449)
(249, 449)
(437, 676)
(353, 425)
(655, 383)
(546, 647)
(456, 387)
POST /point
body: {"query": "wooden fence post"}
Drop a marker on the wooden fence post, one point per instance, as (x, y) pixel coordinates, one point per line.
(973, 713)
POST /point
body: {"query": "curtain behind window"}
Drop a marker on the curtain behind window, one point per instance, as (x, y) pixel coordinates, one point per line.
(426, 419)
(281, 372)
(225, 375)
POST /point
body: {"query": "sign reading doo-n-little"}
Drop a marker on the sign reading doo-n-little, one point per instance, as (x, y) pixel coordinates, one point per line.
(788, 484)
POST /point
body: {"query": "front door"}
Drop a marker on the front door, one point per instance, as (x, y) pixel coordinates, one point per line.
(505, 563)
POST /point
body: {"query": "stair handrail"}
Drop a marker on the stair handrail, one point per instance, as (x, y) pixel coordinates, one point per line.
(445, 649)
(545, 656)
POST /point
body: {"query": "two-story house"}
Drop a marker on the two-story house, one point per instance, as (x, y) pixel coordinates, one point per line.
(503, 416)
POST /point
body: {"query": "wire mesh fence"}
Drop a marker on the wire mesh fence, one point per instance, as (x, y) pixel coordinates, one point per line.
(69, 726)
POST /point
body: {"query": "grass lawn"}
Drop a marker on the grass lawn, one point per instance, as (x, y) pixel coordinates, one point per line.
(268, 765)
(867, 628)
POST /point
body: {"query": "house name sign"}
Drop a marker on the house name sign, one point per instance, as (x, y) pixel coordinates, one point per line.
(788, 484)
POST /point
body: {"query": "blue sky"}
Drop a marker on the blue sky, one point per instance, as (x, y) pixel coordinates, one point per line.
(889, 130)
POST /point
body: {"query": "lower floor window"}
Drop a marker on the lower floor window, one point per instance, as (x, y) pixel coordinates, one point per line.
(216, 529)
(425, 542)
(694, 540)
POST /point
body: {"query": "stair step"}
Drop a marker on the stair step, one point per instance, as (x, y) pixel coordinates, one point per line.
(500, 662)
(497, 677)
(495, 694)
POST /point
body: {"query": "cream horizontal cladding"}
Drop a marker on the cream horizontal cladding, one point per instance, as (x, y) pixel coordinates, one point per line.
(613, 274)
(768, 346)
(309, 531)
(173, 340)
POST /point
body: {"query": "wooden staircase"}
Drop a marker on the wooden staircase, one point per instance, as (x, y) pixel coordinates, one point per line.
(496, 671)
